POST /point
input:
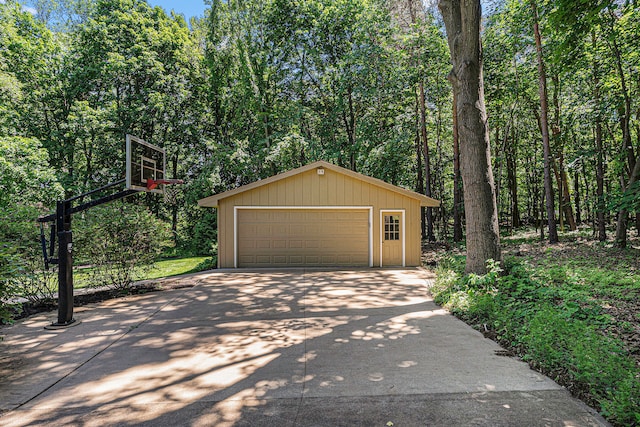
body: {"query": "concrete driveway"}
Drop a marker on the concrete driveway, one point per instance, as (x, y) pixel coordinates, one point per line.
(273, 348)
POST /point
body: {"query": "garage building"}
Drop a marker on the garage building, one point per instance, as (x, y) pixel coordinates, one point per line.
(318, 215)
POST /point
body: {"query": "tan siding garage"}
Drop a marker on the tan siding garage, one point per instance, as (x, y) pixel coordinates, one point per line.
(302, 237)
(318, 215)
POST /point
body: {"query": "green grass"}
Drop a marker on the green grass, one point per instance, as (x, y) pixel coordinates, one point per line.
(159, 269)
(173, 267)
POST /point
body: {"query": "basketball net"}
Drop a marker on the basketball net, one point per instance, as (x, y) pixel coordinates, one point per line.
(170, 191)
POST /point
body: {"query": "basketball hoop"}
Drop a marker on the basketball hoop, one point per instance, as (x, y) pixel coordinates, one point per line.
(153, 183)
(170, 193)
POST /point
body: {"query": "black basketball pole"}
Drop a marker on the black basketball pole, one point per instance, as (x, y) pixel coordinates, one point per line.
(65, 264)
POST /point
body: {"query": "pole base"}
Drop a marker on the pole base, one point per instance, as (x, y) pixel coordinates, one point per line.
(55, 326)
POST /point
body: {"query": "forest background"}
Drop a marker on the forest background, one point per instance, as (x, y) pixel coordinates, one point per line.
(256, 88)
(259, 87)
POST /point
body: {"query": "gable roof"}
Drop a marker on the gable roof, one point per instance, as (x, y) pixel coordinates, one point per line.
(212, 201)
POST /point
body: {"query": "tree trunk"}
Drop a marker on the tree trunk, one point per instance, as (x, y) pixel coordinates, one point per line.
(512, 180)
(576, 196)
(564, 198)
(542, 205)
(420, 175)
(623, 214)
(497, 166)
(352, 133)
(602, 229)
(438, 173)
(587, 196)
(174, 207)
(457, 184)
(462, 22)
(427, 162)
(544, 125)
(624, 113)
(600, 210)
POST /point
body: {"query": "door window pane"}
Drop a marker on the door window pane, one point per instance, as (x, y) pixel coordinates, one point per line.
(392, 227)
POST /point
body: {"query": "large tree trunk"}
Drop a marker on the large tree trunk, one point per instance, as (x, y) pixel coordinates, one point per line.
(544, 125)
(457, 179)
(462, 22)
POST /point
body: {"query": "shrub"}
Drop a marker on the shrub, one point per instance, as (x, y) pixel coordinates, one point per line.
(26, 183)
(23, 268)
(117, 239)
(8, 272)
(207, 264)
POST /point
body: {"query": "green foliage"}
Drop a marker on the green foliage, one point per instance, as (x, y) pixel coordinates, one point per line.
(208, 264)
(550, 318)
(202, 237)
(25, 174)
(26, 183)
(289, 152)
(623, 402)
(116, 239)
(9, 269)
(23, 273)
(629, 200)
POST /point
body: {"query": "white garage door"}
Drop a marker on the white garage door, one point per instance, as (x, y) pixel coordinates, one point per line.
(302, 237)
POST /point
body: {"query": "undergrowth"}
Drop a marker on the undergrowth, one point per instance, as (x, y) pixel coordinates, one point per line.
(552, 321)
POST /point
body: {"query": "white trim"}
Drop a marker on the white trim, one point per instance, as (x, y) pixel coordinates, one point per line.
(369, 208)
(235, 237)
(371, 237)
(308, 207)
(404, 227)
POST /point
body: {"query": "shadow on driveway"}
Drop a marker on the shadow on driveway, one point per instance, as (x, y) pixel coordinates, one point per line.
(282, 348)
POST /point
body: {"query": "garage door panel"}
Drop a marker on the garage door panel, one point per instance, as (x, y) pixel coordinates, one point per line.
(246, 244)
(247, 259)
(263, 244)
(264, 231)
(311, 244)
(273, 237)
(343, 259)
(297, 230)
(279, 244)
(312, 260)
